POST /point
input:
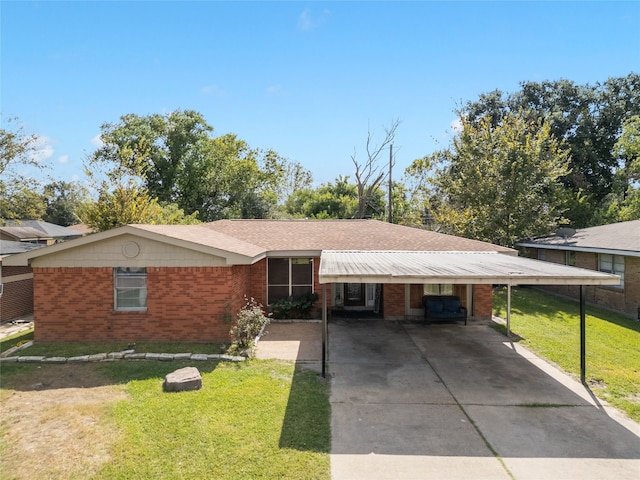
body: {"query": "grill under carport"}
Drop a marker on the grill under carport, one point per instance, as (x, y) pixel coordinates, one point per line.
(402, 267)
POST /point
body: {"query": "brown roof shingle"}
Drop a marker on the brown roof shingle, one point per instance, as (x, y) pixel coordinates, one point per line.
(287, 235)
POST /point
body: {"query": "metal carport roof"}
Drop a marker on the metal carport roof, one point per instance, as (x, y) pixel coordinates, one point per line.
(451, 267)
(349, 266)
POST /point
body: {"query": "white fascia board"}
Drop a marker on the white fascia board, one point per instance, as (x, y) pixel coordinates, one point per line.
(293, 253)
(570, 248)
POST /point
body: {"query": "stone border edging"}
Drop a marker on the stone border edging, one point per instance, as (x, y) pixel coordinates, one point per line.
(124, 355)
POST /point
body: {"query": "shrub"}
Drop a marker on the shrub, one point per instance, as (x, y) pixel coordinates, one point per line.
(250, 321)
(293, 307)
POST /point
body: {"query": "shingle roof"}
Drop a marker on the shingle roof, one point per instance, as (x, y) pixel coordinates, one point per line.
(24, 233)
(291, 235)
(622, 236)
(7, 247)
(49, 229)
(200, 235)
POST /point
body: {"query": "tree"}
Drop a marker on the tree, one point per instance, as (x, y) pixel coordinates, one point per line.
(122, 199)
(63, 200)
(500, 183)
(182, 163)
(588, 118)
(331, 200)
(371, 173)
(19, 196)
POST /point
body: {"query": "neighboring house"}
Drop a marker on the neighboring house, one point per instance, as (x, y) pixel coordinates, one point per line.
(56, 232)
(613, 248)
(25, 234)
(187, 282)
(16, 290)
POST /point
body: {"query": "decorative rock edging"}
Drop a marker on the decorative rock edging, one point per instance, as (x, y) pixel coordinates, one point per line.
(124, 355)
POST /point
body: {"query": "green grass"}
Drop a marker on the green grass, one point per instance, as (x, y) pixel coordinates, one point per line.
(260, 419)
(74, 349)
(550, 326)
(256, 419)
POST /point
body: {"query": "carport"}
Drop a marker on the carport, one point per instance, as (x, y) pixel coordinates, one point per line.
(488, 268)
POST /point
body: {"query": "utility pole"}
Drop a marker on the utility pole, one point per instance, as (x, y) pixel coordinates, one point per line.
(390, 183)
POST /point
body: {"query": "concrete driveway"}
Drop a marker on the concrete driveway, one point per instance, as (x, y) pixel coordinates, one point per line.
(449, 401)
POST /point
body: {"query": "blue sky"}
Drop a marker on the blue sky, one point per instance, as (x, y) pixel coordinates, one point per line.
(307, 79)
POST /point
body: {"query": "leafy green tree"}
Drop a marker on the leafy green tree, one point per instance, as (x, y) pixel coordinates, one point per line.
(588, 118)
(19, 194)
(63, 200)
(500, 183)
(182, 163)
(122, 199)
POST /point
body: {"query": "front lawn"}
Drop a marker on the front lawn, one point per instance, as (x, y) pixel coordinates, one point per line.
(550, 326)
(255, 419)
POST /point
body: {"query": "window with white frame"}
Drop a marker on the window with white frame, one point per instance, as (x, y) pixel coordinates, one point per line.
(289, 277)
(130, 288)
(612, 264)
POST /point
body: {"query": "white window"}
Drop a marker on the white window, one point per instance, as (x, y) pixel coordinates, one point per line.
(130, 288)
(289, 277)
(612, 264)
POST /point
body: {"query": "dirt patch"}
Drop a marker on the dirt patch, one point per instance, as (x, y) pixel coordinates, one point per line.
(55, 422)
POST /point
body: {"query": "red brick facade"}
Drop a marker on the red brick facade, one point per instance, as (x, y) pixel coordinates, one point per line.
(482, 301)
(193, 304)
(186, 303)
(17, 296)
(622, 299)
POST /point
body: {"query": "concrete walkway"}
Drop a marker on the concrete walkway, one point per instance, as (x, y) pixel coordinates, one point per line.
(452, 402)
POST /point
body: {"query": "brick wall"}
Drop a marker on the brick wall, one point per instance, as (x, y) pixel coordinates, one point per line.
(183, 304)
(624, 300)
(393, 301)
(482, 301)
(17, 298)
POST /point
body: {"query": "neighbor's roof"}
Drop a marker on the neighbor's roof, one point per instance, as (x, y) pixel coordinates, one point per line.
(8, 247)
(50, 229)
(451, 267)
(617, 238)
(318, 235)
(24, 233)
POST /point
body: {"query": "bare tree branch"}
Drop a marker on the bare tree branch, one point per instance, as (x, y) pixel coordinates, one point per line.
(372, 172)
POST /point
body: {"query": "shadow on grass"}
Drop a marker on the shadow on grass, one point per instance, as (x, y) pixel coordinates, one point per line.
(307, 420)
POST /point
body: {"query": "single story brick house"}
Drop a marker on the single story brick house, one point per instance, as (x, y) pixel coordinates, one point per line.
(184, 282)
(613, 248)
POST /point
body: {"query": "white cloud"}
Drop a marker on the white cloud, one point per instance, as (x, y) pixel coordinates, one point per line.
(97, 141)
(456, 126)
(42, 149)
(63, 159)
(309, 21)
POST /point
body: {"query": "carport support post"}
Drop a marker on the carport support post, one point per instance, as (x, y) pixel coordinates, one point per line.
(324, 330)
(509, 310)
(583, 338)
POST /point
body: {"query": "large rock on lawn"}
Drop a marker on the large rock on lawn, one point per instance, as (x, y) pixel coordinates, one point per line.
(183, 379)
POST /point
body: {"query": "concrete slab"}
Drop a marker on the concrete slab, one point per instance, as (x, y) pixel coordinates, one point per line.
(449, 401)
(296, 341)
(387, 383)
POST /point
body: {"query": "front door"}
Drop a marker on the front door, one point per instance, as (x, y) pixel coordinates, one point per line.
(354, 294)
